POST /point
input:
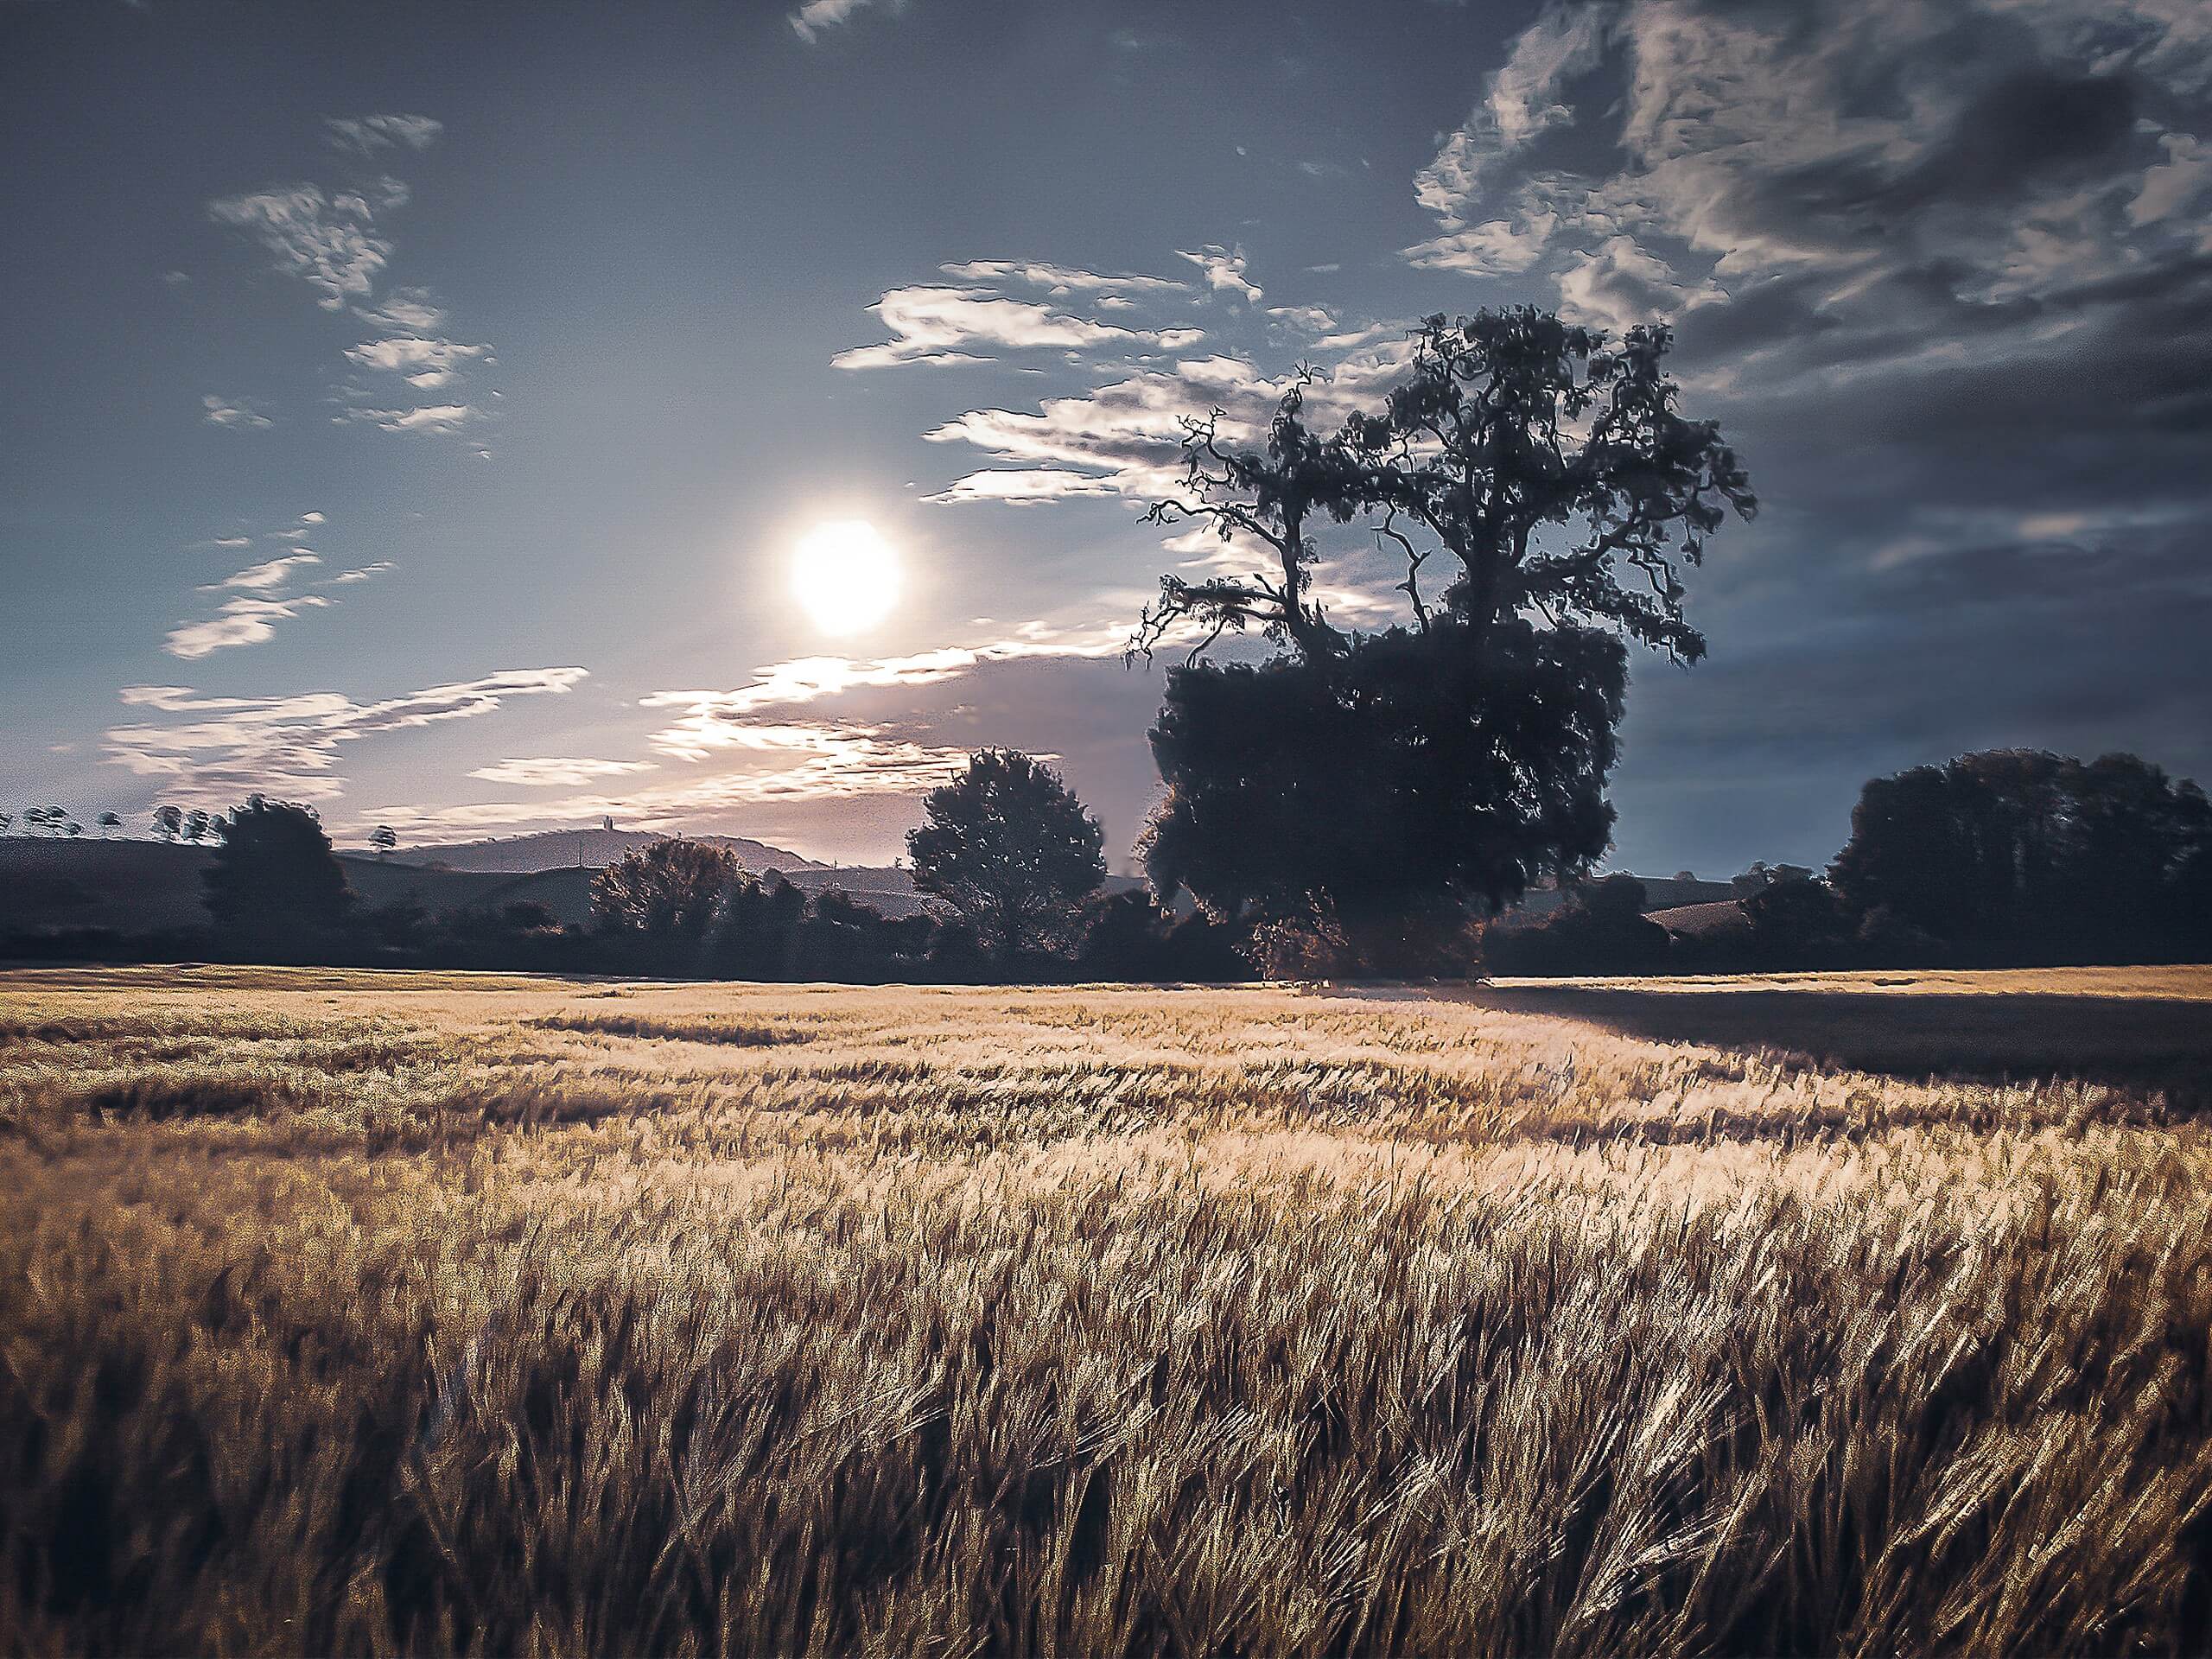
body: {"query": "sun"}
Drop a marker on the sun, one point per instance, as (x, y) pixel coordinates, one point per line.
(845, 575)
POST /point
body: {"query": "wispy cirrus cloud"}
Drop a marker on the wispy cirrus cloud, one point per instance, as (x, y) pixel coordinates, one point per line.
(432, 419)
(930, 323)
(364, 135)
(551, 772)
(225, 747)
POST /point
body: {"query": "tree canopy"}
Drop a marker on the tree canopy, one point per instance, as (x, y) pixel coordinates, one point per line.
(1010, 850)
(1545, 494)
(274, 877)
(2030, 856)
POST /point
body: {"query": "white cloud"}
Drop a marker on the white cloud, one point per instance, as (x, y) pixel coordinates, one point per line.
(557, 771)
(1057, 280)
(288, 745)
(1223, 269)
(222, 412)
(405, 311)
(423, 363)
(367, 134)
(270, 573)
(359, 573)
(2174, 183)
(438, 419)
(810, 19)
(330, 245)
(931, 323)
(240, 622)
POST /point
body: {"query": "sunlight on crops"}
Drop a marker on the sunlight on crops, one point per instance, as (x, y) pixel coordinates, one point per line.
(369, 1312)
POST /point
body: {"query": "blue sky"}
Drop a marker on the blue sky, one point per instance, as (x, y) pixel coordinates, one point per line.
(413, 410)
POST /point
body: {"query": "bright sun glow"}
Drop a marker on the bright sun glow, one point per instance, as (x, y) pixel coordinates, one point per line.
(846, 575)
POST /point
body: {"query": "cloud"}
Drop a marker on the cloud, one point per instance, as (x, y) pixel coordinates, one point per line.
(364, 135)
(1057, 280)
(437, 419)
(405, 311)
(1126, 436)
(1223, 269)
(810, 19)
(270, 573)
(551, 772)
(328, 244)
(240, 622)
(359, 573)
(370, 133)
(931, 323)
(423, 363)
(222, 412)
(229, 746)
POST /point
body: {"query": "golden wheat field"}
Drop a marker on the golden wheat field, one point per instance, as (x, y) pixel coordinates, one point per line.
(351, 1312)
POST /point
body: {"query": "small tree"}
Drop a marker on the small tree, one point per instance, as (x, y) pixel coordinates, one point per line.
(199, 827)
(1009, 851)
(383, 838)
(7, 822)
(111, 821)
(275, 880)
(668, 889)
(168, 822)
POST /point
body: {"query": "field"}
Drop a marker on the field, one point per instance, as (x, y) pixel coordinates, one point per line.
(355, 1312)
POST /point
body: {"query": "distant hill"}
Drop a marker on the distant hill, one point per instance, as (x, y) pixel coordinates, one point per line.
(590, 849)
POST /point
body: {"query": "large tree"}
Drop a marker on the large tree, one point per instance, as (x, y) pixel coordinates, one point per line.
(1544, 494)
(1010, 850)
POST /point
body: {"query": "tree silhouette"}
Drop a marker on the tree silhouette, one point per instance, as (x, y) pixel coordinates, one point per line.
(168, 822)
(275, 881)
(2021, 855)
(1010, 850)
(383, 838)
(110, 821)
(199, 827)
(7, 822)
(1362, 784)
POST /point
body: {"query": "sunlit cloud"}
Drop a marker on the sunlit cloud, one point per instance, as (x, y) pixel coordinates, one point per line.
(270, 573)
(328, 243)
(556, 771)
(227, 747)
(240, 622)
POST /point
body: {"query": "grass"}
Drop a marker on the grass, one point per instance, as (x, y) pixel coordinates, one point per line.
(351, 1312)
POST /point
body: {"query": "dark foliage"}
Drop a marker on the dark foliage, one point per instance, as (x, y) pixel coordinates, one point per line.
(2024, 856)
(1380, 792)
(274, 883)
(1128, 937)
(1601, 929)
(1010, 850)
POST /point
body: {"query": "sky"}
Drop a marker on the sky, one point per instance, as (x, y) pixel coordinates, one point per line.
(415, 409)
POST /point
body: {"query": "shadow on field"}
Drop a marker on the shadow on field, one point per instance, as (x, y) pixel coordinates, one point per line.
(2149, 1042)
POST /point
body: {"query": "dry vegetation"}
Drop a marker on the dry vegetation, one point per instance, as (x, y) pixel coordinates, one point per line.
(369, 1314)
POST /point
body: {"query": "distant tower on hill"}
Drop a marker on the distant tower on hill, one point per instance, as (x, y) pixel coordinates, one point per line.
(607, 822)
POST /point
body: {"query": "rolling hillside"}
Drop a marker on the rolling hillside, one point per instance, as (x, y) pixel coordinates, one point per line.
(590, 849)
